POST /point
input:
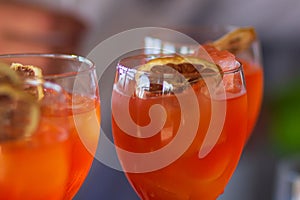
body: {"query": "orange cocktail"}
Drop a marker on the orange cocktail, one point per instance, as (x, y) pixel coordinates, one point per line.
(253, 72)
(254, 80)
(77, 76)
(202, 169)
(84, 116)
(249, 54)
(36, 165)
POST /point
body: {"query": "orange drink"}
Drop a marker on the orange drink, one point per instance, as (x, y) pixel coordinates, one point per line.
(254, 80)
(84, 116)
(77, 77)
(34, 166)
(244, 44)
(203, 150)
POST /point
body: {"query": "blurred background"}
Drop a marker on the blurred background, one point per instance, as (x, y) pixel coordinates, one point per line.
(77, 26)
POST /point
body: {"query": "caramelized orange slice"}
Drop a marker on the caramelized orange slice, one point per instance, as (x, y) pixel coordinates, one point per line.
(9, 76)
(236, 40)
(192, 70)
(26, 70)
(30, 71)
(19, 113)
(189, 66)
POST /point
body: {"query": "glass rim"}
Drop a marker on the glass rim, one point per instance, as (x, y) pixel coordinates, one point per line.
(213, 28)
(219, 29)
(209, 27)
(237, 68)
(71, 57)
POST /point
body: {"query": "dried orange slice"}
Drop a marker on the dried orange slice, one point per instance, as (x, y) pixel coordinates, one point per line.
(8, 76)
(19, 113)
(191, 68)
(236, 40)
(26, 70)
(30, 71)
(187, 65)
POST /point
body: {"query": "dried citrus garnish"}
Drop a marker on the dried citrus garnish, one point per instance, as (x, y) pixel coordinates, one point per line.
(236, 40)
(19, 107)
(8, 76)
(30, 71)
(191, 69)
(26, 70)
(19, 113)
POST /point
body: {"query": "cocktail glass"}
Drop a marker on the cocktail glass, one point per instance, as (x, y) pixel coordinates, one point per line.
(77, 76)
(34, 164)
(178, 135)
(251, 59)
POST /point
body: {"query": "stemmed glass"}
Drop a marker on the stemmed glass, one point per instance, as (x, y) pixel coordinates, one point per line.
(251, 59)
(175, 127)
(77, 76)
